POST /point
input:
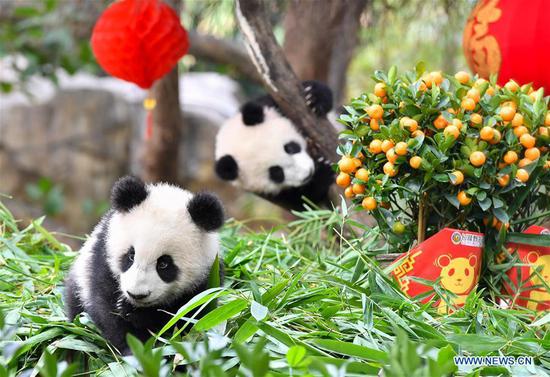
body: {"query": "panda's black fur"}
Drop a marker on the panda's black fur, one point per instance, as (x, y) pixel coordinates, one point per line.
(319, 98)
(316, 190)
(112, 313)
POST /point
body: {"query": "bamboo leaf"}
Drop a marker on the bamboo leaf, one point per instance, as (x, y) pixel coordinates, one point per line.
(350, 349)
(220, 314)
(530, 239)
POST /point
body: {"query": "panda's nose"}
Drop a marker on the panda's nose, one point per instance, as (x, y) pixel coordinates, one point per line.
(139, 296)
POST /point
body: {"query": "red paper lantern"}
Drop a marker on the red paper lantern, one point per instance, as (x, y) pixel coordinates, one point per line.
(139, 40)
(511, 38)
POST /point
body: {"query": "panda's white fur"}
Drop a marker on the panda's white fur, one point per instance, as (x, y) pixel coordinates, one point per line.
(150, 222)
(81, 269)
(260, 146)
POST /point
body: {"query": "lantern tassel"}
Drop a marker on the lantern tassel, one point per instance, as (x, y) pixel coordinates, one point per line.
(149, 125)
(149, 104)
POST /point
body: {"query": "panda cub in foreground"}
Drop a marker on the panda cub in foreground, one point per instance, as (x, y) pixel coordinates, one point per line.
(261, 151)
(148, 256)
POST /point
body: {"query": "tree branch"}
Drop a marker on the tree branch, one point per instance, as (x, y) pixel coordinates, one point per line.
(223, 51)
(281, 82)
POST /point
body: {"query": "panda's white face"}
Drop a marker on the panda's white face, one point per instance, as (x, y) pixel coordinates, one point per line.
(270, 156)
(156, 249)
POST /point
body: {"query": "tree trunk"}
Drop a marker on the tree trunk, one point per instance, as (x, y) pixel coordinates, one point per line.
(310, 30)
(344, 47)
(280, 81)
(161, 151)
(320, 37)
(160, 161)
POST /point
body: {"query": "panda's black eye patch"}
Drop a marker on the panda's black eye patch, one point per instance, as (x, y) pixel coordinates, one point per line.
(292, 147)
(127, 259)
(166, 268)
(277, 174)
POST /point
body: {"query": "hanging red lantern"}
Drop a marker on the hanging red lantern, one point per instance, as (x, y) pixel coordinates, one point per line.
(509, 38)
(139, 41)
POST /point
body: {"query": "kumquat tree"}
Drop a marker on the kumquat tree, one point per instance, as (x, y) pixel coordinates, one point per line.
(427, 150)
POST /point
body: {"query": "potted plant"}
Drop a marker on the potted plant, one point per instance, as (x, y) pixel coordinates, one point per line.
(426, 150)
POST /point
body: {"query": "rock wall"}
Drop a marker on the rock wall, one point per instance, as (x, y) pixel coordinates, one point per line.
(80, 136)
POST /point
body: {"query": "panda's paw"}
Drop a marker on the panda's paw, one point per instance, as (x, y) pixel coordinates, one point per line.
(324, 161)
(309, 98)
(135, 317)
(143, 318)
(318, 97)
(124, 308)
(119, 304)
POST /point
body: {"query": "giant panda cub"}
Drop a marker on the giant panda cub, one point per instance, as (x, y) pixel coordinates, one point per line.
(261, 151)
(148, 256)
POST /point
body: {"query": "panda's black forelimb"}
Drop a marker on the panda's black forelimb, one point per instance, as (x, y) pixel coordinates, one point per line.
(73, 305)
(318, 97)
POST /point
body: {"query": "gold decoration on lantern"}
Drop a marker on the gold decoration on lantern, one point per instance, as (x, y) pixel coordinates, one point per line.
(481, 49)
(149, 103)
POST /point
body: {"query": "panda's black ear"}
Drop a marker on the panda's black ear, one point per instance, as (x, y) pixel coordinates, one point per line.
(128, 192)
(227, 168)
(206, 210)
(318, 97)
(252, 113)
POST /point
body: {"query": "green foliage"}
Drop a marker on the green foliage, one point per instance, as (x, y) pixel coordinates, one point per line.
(306, 299)
(48, 194)
(150, 361)
(398, 32)
(405, 360)
(254, 361)
(52, 368)
(93, 208)
(211, 17)
(44, 33)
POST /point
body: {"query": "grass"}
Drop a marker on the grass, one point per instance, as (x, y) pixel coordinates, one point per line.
(303, 299)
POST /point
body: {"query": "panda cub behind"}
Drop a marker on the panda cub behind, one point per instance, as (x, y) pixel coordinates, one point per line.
(148, 256)
(262, 151)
